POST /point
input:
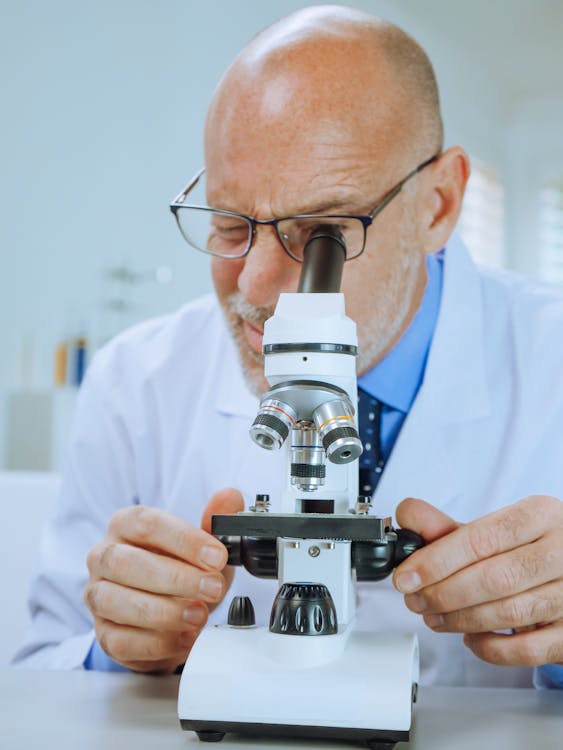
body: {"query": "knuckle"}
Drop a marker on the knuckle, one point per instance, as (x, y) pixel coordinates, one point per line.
(553, 653)
(493, 653)
(155, 648)
(513, 612)
(102, 637)
(531, 651)
(437, 598)
(112, 562)
(500, 580)
(545, 505)
(118, 521)
(116, 645)
(482, 540)
(147, 615)
(145, 523)
(93, 559)
(91, 597)
(465, 621)
(541, 609)
(179, 581)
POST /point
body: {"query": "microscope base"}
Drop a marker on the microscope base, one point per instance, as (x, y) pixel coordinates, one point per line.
(354, 685)
(215, 731)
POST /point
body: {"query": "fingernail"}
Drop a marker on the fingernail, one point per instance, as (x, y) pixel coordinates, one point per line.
(407, 582)
(211, 586)
(194, 615)
(434, 621)
(212, 556)
(416, 602)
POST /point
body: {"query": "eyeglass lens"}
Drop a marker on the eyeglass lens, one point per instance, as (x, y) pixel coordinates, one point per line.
(229, 236)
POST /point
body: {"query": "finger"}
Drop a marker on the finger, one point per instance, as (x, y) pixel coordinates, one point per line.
(499, 577)
(226, 501)
(156, 529)
(543, 645)
(543, 604)
(501, 531)
(125, 644)
(147, 571)
(139, 609)
(431, 524)
(425, 519)
(161, 667)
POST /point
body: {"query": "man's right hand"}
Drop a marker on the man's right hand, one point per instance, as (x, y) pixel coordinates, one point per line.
(152, 581)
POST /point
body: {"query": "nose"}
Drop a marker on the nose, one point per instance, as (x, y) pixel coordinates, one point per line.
(268, 270)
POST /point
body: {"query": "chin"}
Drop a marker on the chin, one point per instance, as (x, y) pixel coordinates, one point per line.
(252, 362)
(255, 380)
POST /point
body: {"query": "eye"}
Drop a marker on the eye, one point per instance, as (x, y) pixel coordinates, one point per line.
(228, 229)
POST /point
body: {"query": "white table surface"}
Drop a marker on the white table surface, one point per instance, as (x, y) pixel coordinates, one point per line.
(101, 711)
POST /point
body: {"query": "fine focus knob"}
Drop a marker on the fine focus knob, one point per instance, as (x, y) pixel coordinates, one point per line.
(303, 609)
(241, 613)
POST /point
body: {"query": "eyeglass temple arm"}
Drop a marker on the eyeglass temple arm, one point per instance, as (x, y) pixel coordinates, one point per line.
(397, 189)
(181, 197)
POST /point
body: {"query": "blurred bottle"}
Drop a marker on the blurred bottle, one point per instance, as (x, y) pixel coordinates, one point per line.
(61, 364)
(79, 360)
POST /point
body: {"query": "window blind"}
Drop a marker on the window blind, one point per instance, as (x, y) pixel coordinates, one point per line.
(551, 233)
(482, 216)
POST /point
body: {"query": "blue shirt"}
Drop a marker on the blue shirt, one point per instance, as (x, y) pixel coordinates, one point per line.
(395, 381)
(396, 378)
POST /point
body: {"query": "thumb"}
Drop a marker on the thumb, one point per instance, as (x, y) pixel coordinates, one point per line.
(425, 519)
(227, 500)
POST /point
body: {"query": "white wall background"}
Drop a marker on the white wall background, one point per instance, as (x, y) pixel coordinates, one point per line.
(102, 108)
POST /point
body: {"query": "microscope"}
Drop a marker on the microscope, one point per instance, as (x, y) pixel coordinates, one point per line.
(311, 673)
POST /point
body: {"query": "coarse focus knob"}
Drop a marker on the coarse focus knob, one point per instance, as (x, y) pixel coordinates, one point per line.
(241, 613)
(303, 609)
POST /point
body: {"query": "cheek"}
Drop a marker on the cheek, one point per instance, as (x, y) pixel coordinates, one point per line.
(360, 284)
(225, 275)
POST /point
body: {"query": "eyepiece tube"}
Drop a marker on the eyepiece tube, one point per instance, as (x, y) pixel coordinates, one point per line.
(324, 255)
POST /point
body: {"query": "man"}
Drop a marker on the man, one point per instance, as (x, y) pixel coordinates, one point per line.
(329, 112)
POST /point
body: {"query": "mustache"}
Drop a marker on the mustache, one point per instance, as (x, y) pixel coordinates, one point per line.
(256, 316)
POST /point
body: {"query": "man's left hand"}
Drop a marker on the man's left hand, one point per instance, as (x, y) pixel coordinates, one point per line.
(503, 571)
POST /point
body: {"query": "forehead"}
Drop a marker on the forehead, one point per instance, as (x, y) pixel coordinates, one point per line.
(275, 138)
(266, 171)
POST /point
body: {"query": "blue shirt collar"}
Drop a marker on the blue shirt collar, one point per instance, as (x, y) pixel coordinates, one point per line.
(395, 379)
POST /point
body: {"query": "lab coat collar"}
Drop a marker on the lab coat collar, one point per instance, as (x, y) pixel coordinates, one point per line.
(454, 388)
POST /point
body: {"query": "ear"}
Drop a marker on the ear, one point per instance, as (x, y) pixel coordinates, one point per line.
(441, 198)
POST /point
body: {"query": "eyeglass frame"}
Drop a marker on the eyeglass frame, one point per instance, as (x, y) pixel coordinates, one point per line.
(365, 219)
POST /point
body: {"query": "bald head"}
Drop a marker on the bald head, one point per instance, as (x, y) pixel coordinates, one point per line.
(337, 67)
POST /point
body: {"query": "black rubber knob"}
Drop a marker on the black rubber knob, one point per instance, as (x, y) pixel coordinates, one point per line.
(303, 609)
(241, 612)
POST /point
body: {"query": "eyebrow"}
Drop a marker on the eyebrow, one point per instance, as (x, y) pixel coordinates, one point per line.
(328, 207)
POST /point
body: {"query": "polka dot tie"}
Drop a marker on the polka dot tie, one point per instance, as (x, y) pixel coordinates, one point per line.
(372, 461)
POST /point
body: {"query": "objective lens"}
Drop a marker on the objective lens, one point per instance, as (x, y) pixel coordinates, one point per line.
(272, 424)
(337, 430)
(308, 468)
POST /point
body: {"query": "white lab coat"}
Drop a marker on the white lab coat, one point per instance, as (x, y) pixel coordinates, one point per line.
(163, 420)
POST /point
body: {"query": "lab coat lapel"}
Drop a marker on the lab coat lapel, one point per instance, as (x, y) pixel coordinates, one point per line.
(424, 462)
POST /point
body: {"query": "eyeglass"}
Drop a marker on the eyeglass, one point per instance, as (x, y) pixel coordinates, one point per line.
(227, 234)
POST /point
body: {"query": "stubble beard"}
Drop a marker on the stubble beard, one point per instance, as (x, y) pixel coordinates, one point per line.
(238, 310)
(393, 306)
